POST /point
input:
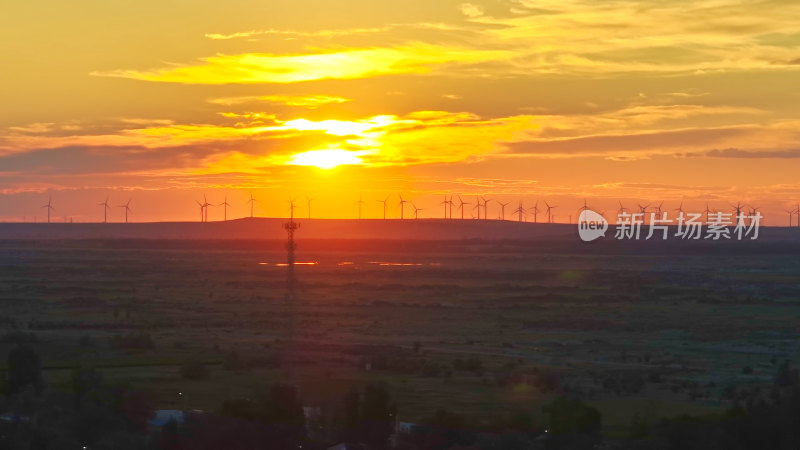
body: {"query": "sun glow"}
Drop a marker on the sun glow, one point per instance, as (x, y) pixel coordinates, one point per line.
(326, 159)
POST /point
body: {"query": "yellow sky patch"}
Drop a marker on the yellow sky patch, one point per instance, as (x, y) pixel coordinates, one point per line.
(253, 68)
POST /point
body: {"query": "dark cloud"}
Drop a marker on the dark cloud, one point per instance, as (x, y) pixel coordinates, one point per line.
(629, 142)
(75, 160)
(103, 160)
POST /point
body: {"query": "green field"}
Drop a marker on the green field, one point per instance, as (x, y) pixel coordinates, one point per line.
(628, 333)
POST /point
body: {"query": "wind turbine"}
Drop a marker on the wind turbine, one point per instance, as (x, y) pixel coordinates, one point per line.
(707, 211)
(680, 208)
(202, 211)
(309, 200)
(461, 204)
(582, 208)
(49, 207)
(643, 209)
(105, 210)
(503, 210)
(445, 203)
(535, 210)
(416, 210)
(225, 209)
(384, 205)
(127, 207)
(486, 208)
(291, 209)
(402, 207)
(360, 203)
(450, 202)
(797, 211)
(621, 209)
(252, 202)
(549, 208)
(520, 211)
(478, 206)
(205, 206)
(737, 208)
(658, 209)
(791, 213)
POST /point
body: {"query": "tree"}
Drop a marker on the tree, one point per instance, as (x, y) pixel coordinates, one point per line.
(573, 424)
(283, 413)
(378, 413)
(352, 416)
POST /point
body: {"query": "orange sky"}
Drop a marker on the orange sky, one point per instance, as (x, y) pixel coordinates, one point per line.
(162, 103)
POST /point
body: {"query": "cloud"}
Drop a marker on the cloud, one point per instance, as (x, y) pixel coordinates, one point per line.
(305, 101)
(343, 32)
(591, 38)
(317, 33)
(421, 137)
(353, 63)
(470, 10)
(655, 186)
(633, 142)
(746, 154)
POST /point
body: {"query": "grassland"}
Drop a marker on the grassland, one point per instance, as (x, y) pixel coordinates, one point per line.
(629, 331)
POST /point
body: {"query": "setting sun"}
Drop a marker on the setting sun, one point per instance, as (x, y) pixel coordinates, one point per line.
(325, 159)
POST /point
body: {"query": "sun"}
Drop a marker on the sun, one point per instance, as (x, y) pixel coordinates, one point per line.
(325, 159)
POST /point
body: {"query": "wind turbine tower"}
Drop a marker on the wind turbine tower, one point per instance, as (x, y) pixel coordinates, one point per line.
(402, 207)
(202, 211)
(503, 210)
(486, 208)
(127, 208)
(360, 204)
(225, 205)
(205, 207)
(309, 200)
(384, 205)
(549, 211)
(252, 202)
(49, 207)
(445, 202)
(679, 209)
(535, 210)
(461, 204)
(520, 211)
(416, 210)
(105, 210)
(450, 203)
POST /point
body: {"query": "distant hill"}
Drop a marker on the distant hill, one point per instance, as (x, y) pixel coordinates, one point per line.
(366, 229)
(271, 228)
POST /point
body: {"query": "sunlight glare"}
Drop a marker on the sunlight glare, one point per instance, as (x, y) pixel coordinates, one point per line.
(325, 159)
